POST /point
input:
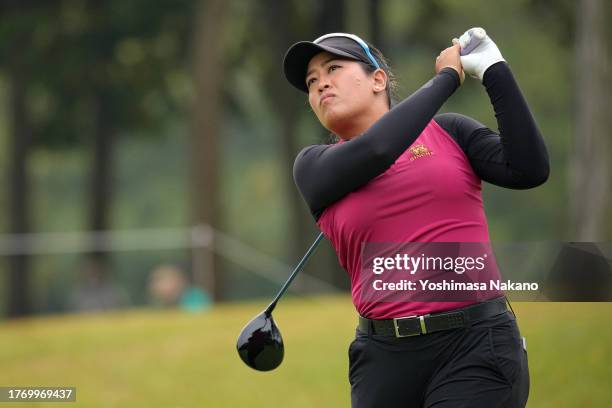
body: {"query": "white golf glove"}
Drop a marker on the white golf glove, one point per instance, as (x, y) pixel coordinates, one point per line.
(478, 52)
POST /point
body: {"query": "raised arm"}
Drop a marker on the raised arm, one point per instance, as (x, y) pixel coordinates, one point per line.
(326, 173)
(516, 157)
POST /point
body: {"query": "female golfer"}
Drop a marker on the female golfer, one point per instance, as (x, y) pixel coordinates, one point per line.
(408, 175)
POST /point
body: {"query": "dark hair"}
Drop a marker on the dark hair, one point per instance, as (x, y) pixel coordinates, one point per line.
(391, 88)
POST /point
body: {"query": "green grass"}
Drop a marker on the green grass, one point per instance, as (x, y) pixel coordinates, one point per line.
(148, 358)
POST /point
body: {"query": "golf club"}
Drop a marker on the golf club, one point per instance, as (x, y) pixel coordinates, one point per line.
(260, 344)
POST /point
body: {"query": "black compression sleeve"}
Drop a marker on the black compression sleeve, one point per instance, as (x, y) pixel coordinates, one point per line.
(514, 158)
(326, 173)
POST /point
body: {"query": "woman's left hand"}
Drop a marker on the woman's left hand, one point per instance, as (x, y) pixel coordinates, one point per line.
(481, 57)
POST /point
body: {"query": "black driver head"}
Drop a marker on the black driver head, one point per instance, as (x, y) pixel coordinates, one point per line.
(260, 344)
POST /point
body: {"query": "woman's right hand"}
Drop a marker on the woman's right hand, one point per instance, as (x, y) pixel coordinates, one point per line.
(451, 57)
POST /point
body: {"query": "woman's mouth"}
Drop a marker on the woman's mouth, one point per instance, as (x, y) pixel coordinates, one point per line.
(325, 98)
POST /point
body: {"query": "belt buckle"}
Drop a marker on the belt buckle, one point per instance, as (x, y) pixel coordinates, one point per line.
(422, 328)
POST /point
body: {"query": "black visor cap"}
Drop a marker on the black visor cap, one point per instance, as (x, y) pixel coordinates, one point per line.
(299, 55)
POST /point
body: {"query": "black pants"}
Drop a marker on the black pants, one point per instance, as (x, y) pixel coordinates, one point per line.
(484, 365)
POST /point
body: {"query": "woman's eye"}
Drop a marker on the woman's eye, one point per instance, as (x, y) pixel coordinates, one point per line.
(333, 68)
(309, 82)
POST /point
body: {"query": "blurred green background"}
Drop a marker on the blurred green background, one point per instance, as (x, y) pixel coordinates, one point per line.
(146, 154)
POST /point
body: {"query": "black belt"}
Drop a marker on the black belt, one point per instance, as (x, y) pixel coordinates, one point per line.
(417, 325)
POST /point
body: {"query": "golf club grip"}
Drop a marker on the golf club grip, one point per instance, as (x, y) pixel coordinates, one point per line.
(299, 266)
(476, 36)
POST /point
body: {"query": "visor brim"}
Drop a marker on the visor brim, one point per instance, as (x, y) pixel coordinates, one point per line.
(299, 55)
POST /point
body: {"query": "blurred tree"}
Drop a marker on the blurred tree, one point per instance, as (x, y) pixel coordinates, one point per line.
(330, 17)
(429, 28)
(17, 57)
(19, 187)
(376, 24)
(208, 73)
(590, 155)
(103, 39)
(82, 72)
(559, 17)
(112, 61)
(283, 27)
(126, 50)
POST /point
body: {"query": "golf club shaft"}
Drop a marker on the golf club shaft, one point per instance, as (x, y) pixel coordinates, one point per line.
(299, 267)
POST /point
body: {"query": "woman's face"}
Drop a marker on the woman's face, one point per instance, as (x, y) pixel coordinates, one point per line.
(338, 89)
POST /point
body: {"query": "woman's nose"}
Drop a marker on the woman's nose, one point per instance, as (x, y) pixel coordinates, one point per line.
(323, 84)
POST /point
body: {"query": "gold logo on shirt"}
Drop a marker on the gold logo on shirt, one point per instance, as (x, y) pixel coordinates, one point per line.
(419, 151)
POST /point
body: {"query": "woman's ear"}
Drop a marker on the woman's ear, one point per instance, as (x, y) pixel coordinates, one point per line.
(380, 80)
